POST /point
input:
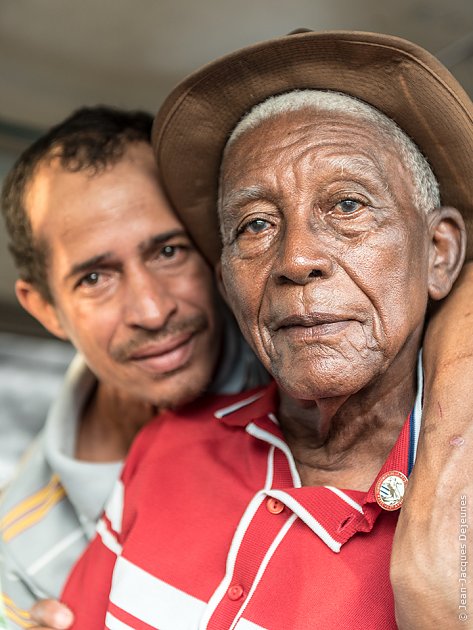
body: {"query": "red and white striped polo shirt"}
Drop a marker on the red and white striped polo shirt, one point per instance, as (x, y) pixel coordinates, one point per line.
(211, 529)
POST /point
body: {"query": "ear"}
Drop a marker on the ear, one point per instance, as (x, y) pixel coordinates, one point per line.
(448, 246)
(219, 280)
(33, 301)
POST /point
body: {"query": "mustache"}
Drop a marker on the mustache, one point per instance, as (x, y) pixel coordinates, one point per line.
(143, 337)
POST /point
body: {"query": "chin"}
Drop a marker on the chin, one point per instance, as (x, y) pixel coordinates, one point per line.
(182, 388)
(312, 383)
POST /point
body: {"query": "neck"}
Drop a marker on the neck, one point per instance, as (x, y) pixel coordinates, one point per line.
(344, 441)
(109, 423)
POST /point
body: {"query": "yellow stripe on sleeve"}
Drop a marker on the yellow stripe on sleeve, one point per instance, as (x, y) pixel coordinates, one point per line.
(34, 516)
(30, 503)
(17, 615)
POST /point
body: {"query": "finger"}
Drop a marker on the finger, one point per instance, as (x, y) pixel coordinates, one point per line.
(50, 614)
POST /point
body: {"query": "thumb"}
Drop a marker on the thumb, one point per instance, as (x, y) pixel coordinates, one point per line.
(51, 614)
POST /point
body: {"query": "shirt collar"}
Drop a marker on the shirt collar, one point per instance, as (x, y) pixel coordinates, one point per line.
(258, 405)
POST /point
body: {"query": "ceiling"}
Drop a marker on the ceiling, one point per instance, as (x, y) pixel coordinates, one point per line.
(59, 54)
(56, 55)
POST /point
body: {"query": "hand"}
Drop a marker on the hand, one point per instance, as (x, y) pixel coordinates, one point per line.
(50, 614)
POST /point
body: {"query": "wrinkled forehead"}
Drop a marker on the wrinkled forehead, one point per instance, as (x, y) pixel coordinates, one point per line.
(342, 141)
(303, 123)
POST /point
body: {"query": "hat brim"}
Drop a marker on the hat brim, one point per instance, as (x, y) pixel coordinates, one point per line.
(399, 78)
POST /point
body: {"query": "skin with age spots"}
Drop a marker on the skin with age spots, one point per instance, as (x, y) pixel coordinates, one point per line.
(314, 208)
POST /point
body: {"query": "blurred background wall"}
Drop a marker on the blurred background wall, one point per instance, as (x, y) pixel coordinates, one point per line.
(57, 55)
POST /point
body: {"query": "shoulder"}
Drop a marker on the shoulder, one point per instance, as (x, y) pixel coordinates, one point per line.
(195, 422)
(196, 415)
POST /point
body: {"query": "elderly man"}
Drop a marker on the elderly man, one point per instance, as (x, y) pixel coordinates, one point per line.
(104, 262)
(278, 509)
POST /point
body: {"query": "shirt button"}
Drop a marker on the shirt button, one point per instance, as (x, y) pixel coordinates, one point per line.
(235, 592)
(274, 506)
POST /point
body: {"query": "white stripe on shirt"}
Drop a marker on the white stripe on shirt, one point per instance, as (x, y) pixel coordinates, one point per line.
(344, 497)
(266, 436)
(151, 600)
(55, 551)
(238, 537)
(306, 517)
(108, 538)
(114, 507)
(225, 411)
(112, 623)
(262, 568)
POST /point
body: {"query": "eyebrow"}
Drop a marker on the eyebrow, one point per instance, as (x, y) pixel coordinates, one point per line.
(237, 198)
(144, 248)
(148, 246)
(90, 263)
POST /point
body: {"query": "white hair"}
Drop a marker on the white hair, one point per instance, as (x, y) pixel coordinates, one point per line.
(426, 193)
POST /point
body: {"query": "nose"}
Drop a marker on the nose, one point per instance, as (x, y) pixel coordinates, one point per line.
(149, 301)
(303, 255)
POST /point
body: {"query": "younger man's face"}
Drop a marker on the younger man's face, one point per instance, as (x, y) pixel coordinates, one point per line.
(130, 291)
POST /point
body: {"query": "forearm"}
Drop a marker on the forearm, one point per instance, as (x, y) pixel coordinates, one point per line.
(431, 581)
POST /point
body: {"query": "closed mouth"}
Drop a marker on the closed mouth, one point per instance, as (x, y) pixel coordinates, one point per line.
(309, 320)
(161, 348)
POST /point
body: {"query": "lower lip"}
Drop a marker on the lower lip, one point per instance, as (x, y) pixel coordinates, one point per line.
(315, 333)
(162, 364)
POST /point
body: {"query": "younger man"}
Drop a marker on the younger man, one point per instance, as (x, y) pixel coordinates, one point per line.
(103, 262)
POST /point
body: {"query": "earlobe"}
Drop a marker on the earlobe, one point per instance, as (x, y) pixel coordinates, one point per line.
(448, 246)
(33, 301)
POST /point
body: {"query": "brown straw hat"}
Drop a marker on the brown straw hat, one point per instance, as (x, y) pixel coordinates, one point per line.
(397, 77)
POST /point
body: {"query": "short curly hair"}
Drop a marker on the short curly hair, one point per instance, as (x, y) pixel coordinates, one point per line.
(90, 138)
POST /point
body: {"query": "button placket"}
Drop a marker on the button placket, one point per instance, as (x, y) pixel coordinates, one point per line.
(260, 534)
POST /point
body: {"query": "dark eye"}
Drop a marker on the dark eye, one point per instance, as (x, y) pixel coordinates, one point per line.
(172, 253)
(168, 251)
(90, 280)
(348, 206)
